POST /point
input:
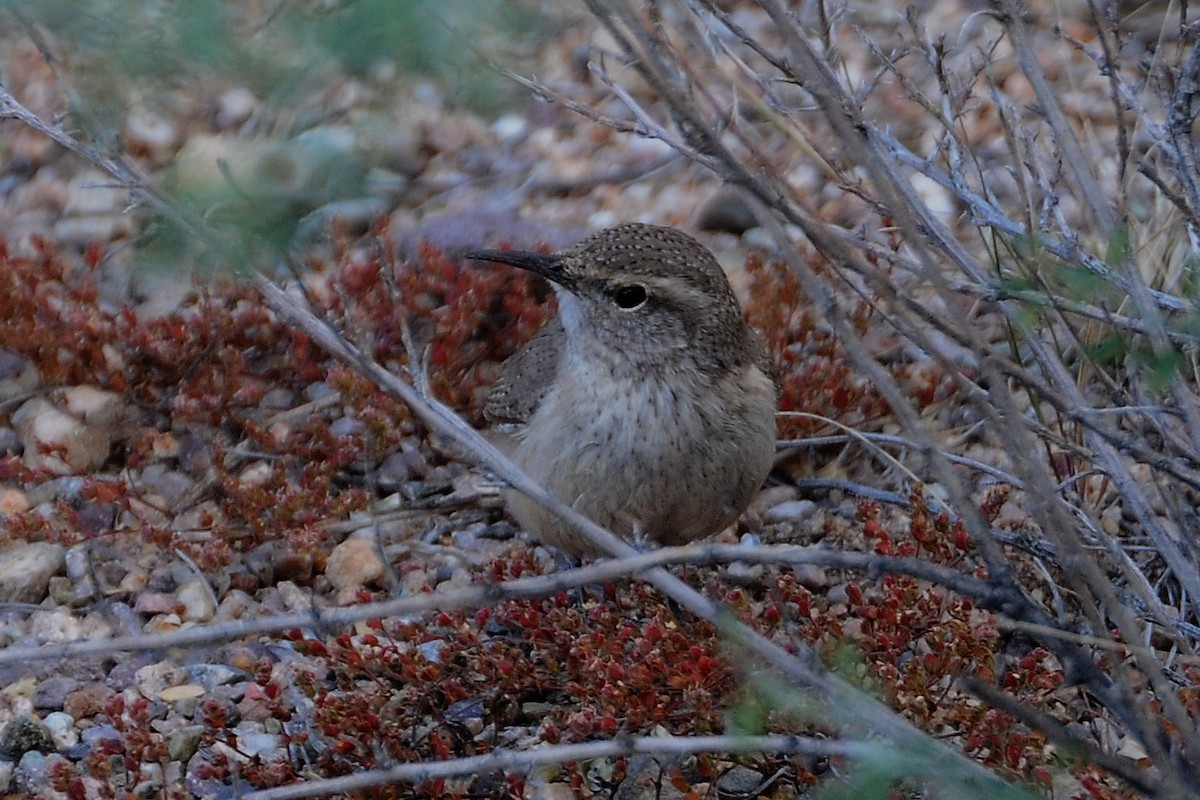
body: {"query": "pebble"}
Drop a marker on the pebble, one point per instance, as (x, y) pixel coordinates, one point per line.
(6, 775)
(790, 511)
(252, 741)
(22, 734)
(727, 212)
(87, 701)
(12, 499)
(25, 571)
(149, 602)
(150, 135)
(742, 574)
(163, 623)
(199, 603)
(237, 604)
(256, 474)
(153, 679)
(738, 783)
(811, 576)
(354, 563)
(510, 128)
(94, 211)
(210, 676)
(52, 692)
(432, 650)
(235, 107)
(183, 743)
(32, 773)
(61, 727)
(18, 376)
(100, 733)
(52, 627)
(170, 486)
(184, 691)
(345, 427)
(74, 435)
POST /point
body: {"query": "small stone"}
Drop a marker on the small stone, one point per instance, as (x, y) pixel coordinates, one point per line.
(199, 604)
(254, 742)
(153, 679)
(235, 107)
(790, 511)
(510, 128)
(294, 566)
(88, 701)
(256, 474)
(100, 733)
(150, 135)
(157, 603)
(739, 783)
(62, 730)
(237, 604)
(52, 692)
(32, 773)
(184, 691)
(432, 650)
(59, 625)
(74, 435)
(22, 734)
(163, 623)
(183, 743)
(210, 676)
(727, 211)
(353, 563)
(170, 485)
(743, 574)
(13, 500)
(345, 427)
(18, 376)
(25, 571)
(93, 211)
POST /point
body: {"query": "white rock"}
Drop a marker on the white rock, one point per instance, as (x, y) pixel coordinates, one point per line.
(62, 729)
(26, 570)
(94, 210)
(74, 435)
(790, 511)
(199, 605)
(235, 107)
(153, 679)
(510, 128)
(55, 626)
(150, 134)
(353, 563)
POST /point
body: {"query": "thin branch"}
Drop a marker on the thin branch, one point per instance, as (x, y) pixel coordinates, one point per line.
(525, 760)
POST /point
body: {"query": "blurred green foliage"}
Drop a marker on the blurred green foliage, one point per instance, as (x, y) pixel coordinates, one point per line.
(277, 49)
(254, 195)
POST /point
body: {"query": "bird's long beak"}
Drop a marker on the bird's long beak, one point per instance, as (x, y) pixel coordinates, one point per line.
(549, 266)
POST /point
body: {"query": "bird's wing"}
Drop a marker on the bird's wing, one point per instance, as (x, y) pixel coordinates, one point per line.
(526, 377)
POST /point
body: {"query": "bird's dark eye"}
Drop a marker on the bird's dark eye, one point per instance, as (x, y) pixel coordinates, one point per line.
(629, 297)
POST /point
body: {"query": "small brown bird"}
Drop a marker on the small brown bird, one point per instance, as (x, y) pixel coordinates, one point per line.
(647, 403)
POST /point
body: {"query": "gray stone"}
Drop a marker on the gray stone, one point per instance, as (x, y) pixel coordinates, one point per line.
(22, 734)
(183, 743)
(739, 783)
(25, 571)
(790, 511)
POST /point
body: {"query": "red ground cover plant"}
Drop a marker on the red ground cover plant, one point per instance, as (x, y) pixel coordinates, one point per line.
(815, 375)
(560, 669)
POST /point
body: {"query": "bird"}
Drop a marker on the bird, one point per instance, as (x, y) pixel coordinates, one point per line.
(647, 403)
